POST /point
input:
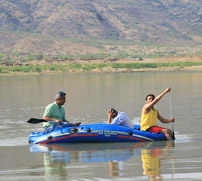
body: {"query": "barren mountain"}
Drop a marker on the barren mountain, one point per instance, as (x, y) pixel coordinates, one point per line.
(53, 27)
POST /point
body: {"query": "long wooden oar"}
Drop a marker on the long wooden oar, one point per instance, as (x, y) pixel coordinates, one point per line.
(36, 120)
(171, 114)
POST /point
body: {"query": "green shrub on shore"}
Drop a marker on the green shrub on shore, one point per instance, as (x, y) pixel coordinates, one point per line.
(94, 66)
(56, 67)
(133, 65)
(22, 69)
(38, 69)
(74, 66)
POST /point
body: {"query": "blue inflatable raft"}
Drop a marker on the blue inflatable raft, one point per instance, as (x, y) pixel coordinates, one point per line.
(94, 133)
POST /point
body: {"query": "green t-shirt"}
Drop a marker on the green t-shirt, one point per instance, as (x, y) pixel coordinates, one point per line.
(54, 111)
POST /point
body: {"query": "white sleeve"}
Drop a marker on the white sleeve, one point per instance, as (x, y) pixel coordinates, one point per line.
(116, 120)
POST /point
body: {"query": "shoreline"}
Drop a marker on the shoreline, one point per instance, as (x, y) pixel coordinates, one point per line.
(165, 69)
(106, 66)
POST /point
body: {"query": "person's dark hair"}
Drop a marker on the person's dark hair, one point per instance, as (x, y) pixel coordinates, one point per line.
(150, 95)
(59, 95)
(114, 112)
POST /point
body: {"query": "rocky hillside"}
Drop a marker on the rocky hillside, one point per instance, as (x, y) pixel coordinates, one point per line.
(62, 27)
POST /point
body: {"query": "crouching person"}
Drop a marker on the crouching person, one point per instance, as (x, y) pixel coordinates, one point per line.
(119, 118)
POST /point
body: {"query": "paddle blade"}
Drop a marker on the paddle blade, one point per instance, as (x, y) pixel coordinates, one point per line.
(36, 121)
(173, 135)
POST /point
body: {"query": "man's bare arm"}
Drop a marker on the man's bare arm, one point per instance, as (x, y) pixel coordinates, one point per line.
(163, 120)
(52, 119)
(146, 107)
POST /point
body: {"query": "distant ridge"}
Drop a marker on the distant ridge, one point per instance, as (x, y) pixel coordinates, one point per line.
(62, 27)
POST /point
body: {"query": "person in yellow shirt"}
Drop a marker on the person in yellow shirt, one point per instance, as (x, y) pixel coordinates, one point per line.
(150, 115)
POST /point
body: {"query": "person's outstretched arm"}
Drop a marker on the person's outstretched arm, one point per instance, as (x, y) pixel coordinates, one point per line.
(146, 107)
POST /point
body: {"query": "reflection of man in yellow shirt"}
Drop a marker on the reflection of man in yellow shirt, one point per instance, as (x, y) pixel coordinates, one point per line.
(151, 160)
(150, 164)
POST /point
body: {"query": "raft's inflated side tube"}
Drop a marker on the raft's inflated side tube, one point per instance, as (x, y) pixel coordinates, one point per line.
(95, 133)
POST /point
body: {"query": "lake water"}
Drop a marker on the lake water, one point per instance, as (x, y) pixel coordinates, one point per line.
(89, 96)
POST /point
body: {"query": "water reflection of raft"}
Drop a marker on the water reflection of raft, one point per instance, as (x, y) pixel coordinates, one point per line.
(94, 133)
(97, 152)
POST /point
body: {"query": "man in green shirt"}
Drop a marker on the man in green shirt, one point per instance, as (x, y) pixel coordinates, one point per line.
(55, 114)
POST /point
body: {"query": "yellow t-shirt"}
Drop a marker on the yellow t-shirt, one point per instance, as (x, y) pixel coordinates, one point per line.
(149, 119)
